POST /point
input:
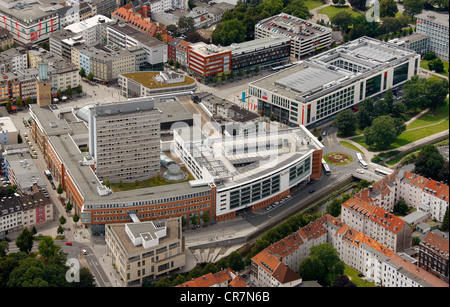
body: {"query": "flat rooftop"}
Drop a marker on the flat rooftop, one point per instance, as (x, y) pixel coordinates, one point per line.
(260, 43)
(335, 68)
(141, 37)
(88, 23)
(30, 9)
(440, 18)
(293, 27)
(230, 160)
(207, 49)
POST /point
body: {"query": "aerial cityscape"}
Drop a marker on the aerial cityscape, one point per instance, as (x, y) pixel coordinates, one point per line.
(251, 144)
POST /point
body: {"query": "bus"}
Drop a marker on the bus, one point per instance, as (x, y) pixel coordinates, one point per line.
(361, 161)
(326, 167)
(381, 172)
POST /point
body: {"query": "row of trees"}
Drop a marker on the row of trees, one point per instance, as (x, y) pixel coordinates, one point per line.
(44, 268)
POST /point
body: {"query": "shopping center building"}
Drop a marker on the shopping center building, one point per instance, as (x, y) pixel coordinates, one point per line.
(315, 90)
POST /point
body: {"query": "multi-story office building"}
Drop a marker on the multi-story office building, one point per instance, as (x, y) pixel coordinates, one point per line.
(8, 131)
(416, 42)
(315, 90)
(30, 21)
(125, 37)
(93, 30)
(205, 61)
(62, 42)
(306, 37)
(435, 25)
(433, 255)
(250, 171)
(60, 139)
(124, 140)
(264, 53)
(145, 250)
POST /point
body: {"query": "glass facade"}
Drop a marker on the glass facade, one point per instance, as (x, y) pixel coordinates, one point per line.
(373, 85)
(400, 73)
(300, 171)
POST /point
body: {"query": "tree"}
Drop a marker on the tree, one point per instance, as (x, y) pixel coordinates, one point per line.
(173, 30)
(90, 76)
(365, 113)
(436, 64)
(388, 8)
(228, 32)
(323, 264)
(177, 65)
(51, 253)
(273, 7)
(79, 89)
(334, 208)
(19, 102)
(381, 133)
(390, 24)
(186, 24)
(29, 100)
(413, 7)
(311, 269)
(62, 220)
(342, 281)
(428, 162)
(9, 106)
(359, 4)
(69, 91)
(59, 190)
(401, 207)
(444, 226)
(414, 90)
(342, 20)
(235, 261)
(82, 73)
(76, 218)
(346, 122)
(25, 241)
(435, 93)
(69, 206)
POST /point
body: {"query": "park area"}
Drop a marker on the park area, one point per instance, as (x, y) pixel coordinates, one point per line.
(333, 10)
(431, 122)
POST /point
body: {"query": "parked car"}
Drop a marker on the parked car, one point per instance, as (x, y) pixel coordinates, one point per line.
(84, 252)
(69, 243)
(360, 171)
(312, 191)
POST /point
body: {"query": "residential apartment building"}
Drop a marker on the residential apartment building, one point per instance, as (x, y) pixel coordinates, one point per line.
(314, 91)
(10, 215)
(433, 255)
(264, 52)
(357, 250)
(435, 25)
(139, 21)
(145, 250)
(427, 195)
(223, 278)
(13, 59)
(306, 37)
(17, 212)
(105, 64)
(206, 61)
(8, 131)
(124, 140)
(6, 39)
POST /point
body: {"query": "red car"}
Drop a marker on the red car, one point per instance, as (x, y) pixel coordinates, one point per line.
(69, 243)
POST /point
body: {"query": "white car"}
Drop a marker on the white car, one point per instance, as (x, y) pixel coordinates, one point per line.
(360, 171)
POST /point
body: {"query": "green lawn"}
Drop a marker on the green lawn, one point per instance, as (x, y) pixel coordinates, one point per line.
(424, 65)
(350, 146)
(312, 4)
(333, 10)
(431, 117)
(358, 281)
